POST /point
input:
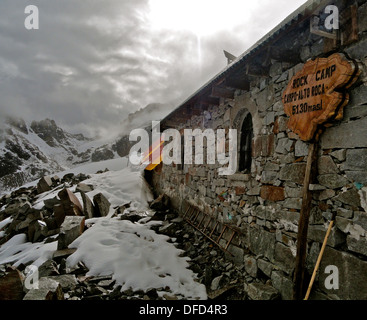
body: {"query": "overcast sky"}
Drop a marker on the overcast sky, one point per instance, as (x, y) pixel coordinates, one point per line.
(92, 62)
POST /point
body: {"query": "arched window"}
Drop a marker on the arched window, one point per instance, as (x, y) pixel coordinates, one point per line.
(246, 144)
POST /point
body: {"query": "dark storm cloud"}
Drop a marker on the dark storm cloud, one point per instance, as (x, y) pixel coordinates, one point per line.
(62, 70)
(92, 62)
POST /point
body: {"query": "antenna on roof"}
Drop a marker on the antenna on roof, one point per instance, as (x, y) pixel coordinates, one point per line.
(230, 57)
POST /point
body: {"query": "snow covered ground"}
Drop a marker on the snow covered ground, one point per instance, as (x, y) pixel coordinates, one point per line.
(133, 253)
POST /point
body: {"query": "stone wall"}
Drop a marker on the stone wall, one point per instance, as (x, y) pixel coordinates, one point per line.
(265, 204)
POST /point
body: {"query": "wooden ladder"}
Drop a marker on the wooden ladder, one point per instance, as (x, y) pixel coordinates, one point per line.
(207, 225)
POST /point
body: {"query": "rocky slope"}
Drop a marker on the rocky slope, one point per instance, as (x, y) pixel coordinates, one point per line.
(31, 150)
(62, 219)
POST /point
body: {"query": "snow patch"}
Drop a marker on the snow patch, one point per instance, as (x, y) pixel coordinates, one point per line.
(136, 256)
(18, 251)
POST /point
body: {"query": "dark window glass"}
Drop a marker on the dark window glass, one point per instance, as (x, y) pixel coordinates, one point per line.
(246, 144)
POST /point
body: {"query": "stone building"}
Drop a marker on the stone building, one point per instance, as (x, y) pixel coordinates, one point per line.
(263, 200)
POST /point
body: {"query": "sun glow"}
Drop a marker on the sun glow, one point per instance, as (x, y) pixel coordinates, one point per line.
(202, 17)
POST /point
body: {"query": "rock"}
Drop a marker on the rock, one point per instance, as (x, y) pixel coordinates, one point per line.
(70, 203)
(50, 203)
(301, 149)
(102, 205)
(284, 258)
(68, 176)
(169, 229)
(318, 232)
(48, 289)
(350, 268)
(346, 135)
(63, 253)
(133, 217)
(356, 159)
(294, 172)
(11, 285)
(358, 246)
(332, 181)
(48, 268)
(67, 281)
(88, 207)
(343, 224)
(326, 194)
(161, 203)
(71, 229)
(44, 184)
(326, 165)
(357, 176)
(272, 193)
(262, 242)
(102, 154)
(350, 197)
(360, 218)
(59, 214)
(260, 291)
(82, 187)
(284, 146)
(267, 177)
(217, 283)
(293, 203)
(339, 154)
(265, 266)
(251, 266)
(283, 284)
(108, 283)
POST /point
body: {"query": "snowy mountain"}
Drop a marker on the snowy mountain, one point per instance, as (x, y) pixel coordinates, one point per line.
(29, 151)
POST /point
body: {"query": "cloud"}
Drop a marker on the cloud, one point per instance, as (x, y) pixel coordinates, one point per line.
(93, 62)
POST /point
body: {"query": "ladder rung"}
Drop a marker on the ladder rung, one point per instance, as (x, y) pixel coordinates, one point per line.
(216, 224)
(224, 229)
(186, 211)
(192, 212)
(197, 215)
(207, 225)
(202, 219)
(229, 242)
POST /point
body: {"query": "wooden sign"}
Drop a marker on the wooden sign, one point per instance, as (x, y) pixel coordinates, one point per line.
(316, 95)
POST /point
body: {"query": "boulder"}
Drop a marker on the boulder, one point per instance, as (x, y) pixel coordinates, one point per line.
(251, 266)
(283, 284)
(48, 289)
(50, 203)
(161, 203)
(67, 281)
(70, 203)
(102, 205)
(350, 197)
(294, 172)
(332, 181)
(44, 184)
(82, 187)
(71, 229)
(260, 291)
(11, 285)
(59, 214)
(351, 274)
(272, 193)
(88, 207)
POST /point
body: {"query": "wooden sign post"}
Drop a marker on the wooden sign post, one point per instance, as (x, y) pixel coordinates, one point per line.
(314, 98)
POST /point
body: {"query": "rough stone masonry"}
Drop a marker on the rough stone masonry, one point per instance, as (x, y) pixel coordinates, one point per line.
(265, 201)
